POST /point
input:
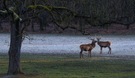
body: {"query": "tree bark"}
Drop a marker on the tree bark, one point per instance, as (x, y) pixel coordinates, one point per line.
(127, 26)
(1, 28)
(15, 49)
(32, 25)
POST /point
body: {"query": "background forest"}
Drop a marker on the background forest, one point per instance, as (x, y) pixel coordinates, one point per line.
(88, 16)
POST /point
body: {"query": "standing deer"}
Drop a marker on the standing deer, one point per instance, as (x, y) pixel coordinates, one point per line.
(87, 47)
(104, 44)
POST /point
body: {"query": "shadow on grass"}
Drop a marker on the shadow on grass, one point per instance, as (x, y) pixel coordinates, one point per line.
(18, 76)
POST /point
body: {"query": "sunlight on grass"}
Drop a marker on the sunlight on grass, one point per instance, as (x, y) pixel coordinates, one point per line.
(71, 66)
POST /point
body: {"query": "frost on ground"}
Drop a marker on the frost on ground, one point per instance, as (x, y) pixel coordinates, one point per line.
(48, 43)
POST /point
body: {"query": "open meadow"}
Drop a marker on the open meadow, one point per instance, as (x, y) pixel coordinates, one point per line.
(70, 66)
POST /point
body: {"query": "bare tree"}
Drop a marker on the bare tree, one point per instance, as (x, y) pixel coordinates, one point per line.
(15, 10)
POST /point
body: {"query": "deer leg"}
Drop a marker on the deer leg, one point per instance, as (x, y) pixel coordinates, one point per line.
(89, 53)
(109, 52)
(100, 50)
(81, 54)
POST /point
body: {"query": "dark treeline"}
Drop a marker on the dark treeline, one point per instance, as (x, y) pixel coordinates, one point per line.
(86, 13)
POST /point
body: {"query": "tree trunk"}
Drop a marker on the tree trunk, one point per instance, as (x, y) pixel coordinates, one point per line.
(127, 26)
(1, 28)
(32, 25)
(14, 50)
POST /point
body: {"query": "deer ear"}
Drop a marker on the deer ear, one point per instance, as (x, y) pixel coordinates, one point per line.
(98, 37)
(93, 39)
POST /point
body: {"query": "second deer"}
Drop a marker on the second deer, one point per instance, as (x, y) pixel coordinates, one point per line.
(104, 44)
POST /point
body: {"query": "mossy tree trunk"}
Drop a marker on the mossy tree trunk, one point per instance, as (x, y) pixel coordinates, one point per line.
(15, 49)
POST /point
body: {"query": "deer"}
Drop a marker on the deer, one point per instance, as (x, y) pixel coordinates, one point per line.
(87, 47)
(104, 44)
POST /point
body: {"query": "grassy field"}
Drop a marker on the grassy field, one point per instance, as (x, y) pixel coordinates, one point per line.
(70, 66)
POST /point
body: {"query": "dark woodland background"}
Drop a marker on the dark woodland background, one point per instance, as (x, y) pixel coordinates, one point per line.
(88, 17)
